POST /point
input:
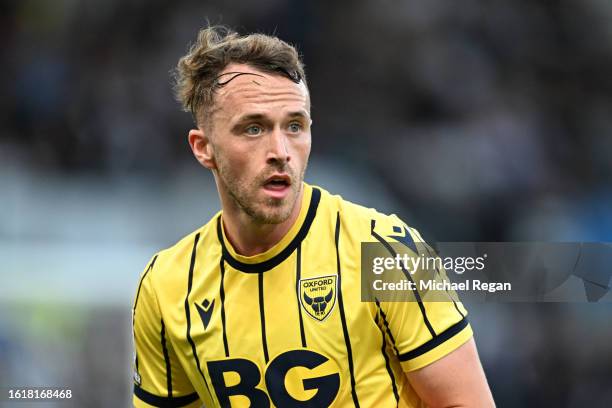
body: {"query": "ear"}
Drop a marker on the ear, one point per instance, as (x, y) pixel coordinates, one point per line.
(202, 148)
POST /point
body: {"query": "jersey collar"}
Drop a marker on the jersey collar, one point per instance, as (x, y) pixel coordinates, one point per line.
(281, 251)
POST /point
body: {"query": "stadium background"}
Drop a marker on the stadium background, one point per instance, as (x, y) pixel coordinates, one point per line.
(473, 121)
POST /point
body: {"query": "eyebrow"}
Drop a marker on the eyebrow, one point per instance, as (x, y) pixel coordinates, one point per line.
(300, 114)
(253, 116)
(259, 116)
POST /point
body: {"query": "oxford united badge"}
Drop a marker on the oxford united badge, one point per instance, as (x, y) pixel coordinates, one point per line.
(318, 296)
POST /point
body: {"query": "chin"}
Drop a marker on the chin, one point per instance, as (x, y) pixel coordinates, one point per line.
(275, 216)
(275, 212)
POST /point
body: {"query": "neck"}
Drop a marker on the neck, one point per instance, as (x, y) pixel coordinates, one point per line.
(249, 237)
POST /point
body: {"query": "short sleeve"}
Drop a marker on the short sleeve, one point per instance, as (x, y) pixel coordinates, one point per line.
(159, 380)
(422, 331)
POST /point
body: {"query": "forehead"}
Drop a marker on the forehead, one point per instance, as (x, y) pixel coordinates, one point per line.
(248, 90)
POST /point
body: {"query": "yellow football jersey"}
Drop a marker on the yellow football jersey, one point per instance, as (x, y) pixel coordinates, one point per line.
(285, 328)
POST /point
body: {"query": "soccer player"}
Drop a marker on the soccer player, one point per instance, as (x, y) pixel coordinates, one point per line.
(261, 306)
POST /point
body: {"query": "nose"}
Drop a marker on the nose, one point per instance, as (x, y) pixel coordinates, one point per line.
(278, 151)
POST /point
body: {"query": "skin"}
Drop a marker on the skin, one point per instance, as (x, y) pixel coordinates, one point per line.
(259, 127)
(454, 381)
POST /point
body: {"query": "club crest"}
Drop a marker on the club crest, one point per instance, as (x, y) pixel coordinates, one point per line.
(318, 296)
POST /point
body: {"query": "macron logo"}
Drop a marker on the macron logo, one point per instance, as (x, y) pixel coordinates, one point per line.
(405, 239)
(205, 311)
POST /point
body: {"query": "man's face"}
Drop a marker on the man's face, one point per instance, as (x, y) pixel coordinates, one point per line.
(260, 136)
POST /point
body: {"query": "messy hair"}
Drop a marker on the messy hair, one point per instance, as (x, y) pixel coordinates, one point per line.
(196, 77)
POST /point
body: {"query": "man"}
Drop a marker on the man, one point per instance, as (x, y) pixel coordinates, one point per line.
(261, 306)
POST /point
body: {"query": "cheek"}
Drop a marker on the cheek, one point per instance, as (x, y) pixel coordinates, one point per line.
(302, 148)
(238, 163)
(234, 155)
(246, 164)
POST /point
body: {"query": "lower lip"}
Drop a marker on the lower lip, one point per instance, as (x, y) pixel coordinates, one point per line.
(277, 191)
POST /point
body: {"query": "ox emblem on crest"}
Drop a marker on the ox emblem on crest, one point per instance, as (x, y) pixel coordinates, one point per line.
(318, 296)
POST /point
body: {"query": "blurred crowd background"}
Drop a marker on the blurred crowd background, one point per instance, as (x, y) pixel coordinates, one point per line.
(474, 121)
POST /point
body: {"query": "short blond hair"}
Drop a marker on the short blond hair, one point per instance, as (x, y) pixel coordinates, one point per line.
(197, 73)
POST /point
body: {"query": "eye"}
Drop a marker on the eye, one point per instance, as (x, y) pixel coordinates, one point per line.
(253, 130)
(295, 127)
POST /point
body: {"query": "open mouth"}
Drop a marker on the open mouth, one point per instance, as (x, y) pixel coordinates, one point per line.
(278, 182)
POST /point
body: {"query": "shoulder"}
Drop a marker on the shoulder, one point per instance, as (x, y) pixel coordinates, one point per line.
(364, 222)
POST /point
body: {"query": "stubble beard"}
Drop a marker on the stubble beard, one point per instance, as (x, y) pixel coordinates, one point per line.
(246, 194)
